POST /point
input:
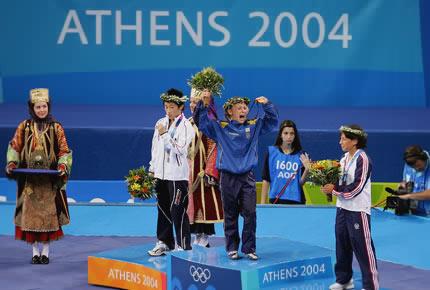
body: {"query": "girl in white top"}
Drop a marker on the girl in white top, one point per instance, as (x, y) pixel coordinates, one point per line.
(353, 212)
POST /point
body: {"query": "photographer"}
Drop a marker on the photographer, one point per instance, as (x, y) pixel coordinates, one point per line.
(417, 170)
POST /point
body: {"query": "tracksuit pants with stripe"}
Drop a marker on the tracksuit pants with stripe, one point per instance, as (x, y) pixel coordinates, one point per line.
(172, 213)
(239, 197)
(353, 236)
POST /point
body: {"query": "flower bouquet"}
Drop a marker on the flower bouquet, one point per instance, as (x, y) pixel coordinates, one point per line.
(324, 172)
(140, 183)
(208, 79)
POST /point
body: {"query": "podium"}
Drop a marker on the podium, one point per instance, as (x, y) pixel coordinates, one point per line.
(129, 268)
(283, 264)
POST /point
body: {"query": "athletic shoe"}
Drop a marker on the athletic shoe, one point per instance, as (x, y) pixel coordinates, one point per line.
(159, 249)
(252, 256)
(233, 255)
(338, 286)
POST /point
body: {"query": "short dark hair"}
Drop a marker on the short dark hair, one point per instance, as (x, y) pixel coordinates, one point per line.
(416, 152)
(177, 101)
(361, 138)
(174, 92)
(296, 146)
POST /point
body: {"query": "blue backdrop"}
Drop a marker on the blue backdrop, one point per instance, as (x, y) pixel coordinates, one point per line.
(301, 53)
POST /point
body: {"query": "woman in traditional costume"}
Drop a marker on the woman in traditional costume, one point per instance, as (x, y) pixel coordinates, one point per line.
(40, 144)
(205, 207)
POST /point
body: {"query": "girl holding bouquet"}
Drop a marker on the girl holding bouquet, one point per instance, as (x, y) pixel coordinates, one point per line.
(205, 205)
(286, 167)
(353, 212)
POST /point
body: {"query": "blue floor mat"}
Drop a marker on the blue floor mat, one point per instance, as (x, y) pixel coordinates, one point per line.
(312, 225)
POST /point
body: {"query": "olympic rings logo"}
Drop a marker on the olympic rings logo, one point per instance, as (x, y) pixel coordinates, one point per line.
(199, 274)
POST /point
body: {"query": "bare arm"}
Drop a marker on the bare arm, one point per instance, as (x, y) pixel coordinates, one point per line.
(423, 195)
(307, 164)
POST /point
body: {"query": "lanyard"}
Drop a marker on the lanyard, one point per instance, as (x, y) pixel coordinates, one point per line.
(172, 133)
(281, 192)
(347, 165)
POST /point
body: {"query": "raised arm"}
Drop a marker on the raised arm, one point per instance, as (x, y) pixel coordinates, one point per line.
(270, 119)
(205, 124)
(306, 161)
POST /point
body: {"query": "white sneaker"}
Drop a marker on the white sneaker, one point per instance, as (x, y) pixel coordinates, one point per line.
(159, 249)
(233, 255)
(338, 286)
(204, 241)
(252, 256)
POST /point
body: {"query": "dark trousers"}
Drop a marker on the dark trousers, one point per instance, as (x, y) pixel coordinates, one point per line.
(201, 228)
(172, 206)
(353, 236)
(239, 197)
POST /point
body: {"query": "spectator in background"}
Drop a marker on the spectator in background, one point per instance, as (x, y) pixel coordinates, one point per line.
(285, 168)
(417, 170)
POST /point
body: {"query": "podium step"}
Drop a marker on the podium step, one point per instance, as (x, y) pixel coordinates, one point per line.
(129, 268)
(282, 263)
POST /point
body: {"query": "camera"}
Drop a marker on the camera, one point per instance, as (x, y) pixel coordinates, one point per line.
(400, 206)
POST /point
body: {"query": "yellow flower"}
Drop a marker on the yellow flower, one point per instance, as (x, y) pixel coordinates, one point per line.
(135, 187)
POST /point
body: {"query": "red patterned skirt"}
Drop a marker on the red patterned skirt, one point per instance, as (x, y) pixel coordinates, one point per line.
(31, 237)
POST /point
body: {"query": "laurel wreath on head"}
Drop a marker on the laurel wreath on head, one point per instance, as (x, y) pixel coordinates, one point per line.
(207, 79)
(235, 100)
(353, 131)
(174, 99)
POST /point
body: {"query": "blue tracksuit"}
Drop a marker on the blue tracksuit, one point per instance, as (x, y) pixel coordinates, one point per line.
(237, 155)
(237, 143)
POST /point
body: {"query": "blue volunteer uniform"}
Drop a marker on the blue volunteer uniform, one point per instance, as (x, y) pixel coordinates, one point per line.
(284, 172)
(421, 181)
